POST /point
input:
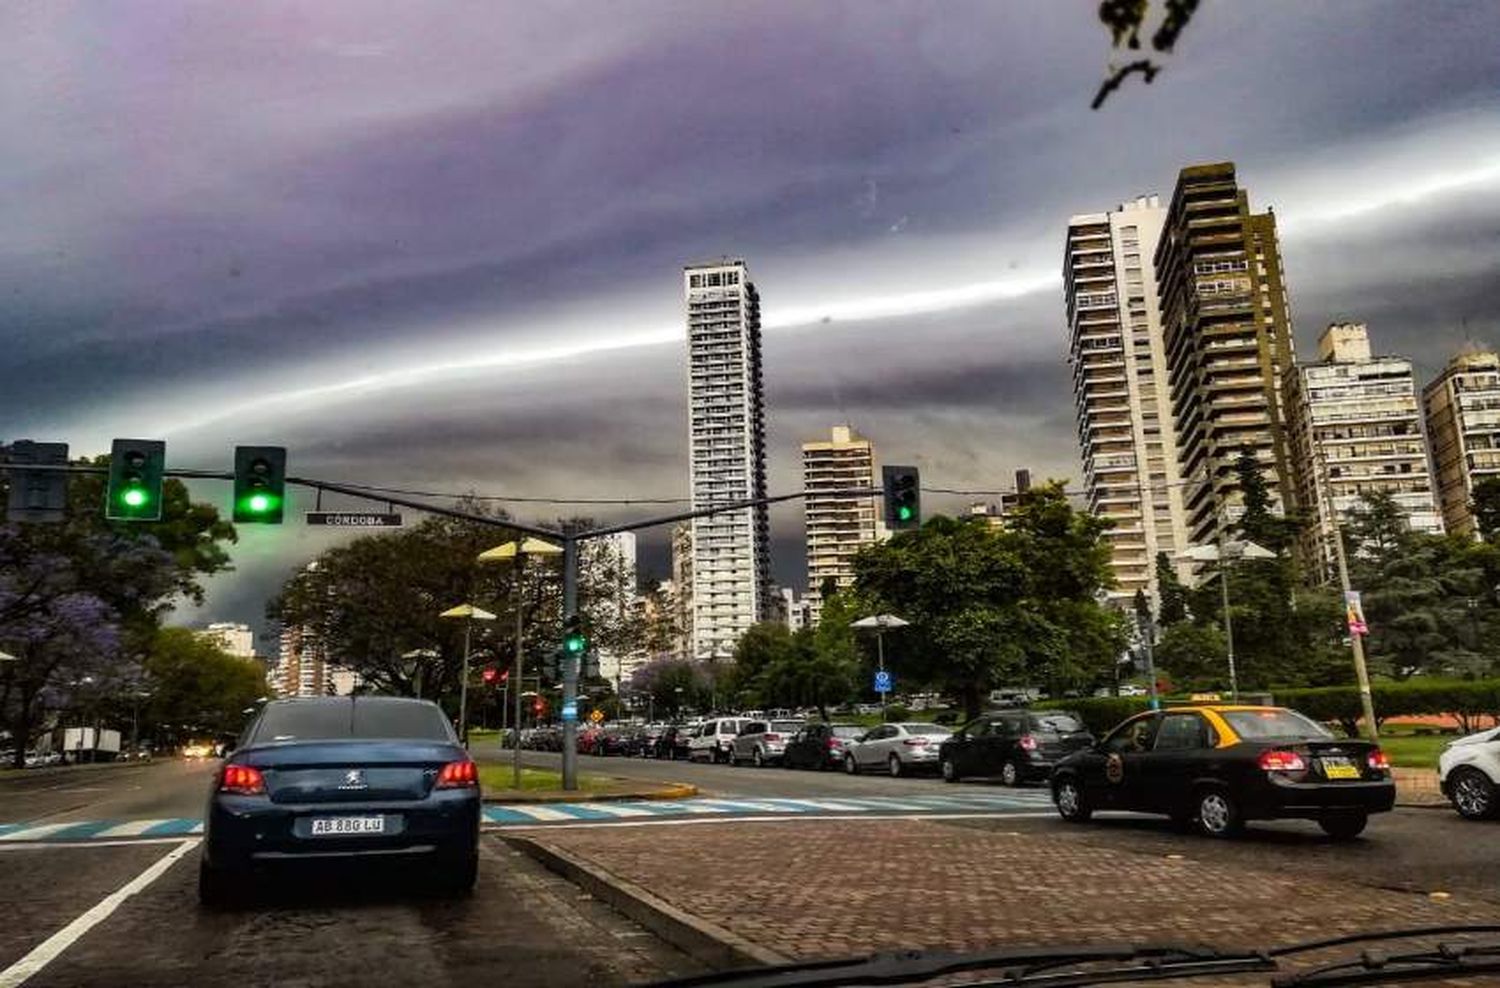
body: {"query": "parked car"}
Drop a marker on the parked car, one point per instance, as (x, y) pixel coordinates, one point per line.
(673, 743)
(819, 746)
(612, 741)
(1469, 772)
(1018, 746)
(374, 778)
(714, 741)
(762, 742)
(643, 740)
(1222, 765)
(898, 748)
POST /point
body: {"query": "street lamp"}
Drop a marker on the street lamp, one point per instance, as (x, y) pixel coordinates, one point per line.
(1226, 552)
(469, 614)
(517, 553)
(880, 622)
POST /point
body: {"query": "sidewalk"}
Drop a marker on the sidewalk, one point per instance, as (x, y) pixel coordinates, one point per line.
(840, 888)
(1418, 787)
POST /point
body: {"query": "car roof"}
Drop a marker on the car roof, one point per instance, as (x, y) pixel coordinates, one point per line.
(1223, 707)
(339, 701)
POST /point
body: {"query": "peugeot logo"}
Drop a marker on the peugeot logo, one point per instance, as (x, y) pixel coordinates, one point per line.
(354, 779)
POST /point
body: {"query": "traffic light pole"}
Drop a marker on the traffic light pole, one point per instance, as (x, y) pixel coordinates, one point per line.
(570, 668)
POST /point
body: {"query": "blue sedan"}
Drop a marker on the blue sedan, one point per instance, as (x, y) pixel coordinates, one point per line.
(343, 778)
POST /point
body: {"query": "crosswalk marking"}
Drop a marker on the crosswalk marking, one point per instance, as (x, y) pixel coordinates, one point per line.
(503, 815)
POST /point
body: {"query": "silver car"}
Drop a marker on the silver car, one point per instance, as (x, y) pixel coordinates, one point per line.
(714, 741)
(897, 748)
(761, 742)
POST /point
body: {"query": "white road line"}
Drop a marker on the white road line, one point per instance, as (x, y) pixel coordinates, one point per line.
(51, 948)
(130, 829)
(613, 809)
(42, 845)
(833, 804)
(542, 813)
(781, 818)
(34, 833)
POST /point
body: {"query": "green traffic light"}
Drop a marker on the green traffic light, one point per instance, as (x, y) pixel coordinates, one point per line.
(133, 497)
(259, 503)
(573, 643)
(904, 513)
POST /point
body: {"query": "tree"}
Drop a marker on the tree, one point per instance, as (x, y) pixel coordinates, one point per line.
(192, 682)
(1485, 504)
(1375, 528)
(80, 599)
(1125, 20)
(1193, 656)
(672, 685)
(1173, 592)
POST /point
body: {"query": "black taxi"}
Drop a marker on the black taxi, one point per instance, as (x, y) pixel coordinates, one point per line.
(1223, 764)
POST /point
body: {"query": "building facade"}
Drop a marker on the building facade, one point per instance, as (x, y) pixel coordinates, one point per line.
(1228, 335)
(839, 522)
(230, 637)
(681, 599)
(1355, 427)
(1462, 407)
(731, 576)
(796, 611)
(1121, 389)
(614, 602)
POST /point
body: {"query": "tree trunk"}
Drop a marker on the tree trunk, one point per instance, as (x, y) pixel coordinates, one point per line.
(973, 704)
(21, 728)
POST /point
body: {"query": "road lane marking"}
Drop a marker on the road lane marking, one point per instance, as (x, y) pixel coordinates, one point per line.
(133, 828)
(33, 833)
(51, 948)
(542, 813)
(622, 810)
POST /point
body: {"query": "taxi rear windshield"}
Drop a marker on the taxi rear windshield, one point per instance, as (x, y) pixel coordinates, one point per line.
(1257, 725)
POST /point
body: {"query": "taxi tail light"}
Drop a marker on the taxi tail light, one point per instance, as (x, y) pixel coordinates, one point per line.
(1027, 742)
(1282, 761)
(242, 780)
(458, 775)
(1379, 761)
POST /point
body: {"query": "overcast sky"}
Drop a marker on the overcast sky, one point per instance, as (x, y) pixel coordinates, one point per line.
(439, 245)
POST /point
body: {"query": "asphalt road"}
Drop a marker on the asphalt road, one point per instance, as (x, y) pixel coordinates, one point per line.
(167, 787)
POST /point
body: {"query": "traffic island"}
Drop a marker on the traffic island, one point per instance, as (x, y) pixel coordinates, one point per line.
(541, 785)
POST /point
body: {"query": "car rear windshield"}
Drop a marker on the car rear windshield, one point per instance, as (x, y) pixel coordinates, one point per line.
(786, 726)
(364, 721)
(1259, 725)
(927, 729)
(1057, 723)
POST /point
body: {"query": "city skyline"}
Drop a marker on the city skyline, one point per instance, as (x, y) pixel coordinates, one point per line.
(379, 275)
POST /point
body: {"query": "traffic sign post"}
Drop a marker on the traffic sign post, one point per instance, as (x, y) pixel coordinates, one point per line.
(882, 683)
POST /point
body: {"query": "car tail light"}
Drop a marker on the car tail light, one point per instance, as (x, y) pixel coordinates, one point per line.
(242, 780)
(1379, 761)
(458, 775)
(834, 743)
(1282, 761)
(1027, 742)
(915, 742)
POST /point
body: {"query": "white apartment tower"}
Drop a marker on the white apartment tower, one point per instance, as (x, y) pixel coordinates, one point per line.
(1355, 427)
(1462, 407)
(1120, 388)
(731, 576)
(839, 523)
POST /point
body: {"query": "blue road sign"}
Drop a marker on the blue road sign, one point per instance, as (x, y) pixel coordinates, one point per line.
(882, 682)
(570, 711)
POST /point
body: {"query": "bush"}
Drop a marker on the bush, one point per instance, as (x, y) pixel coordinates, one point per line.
(897, 712)
(1100, 714)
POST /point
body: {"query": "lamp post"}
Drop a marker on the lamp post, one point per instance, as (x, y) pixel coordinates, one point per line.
(880, 622)
(469, 614)
(1224, 553)
(517, 553)
(417, 655)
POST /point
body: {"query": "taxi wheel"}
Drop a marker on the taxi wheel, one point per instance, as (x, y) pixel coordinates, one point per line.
(1344, 826)
(1071, 804)
(1218, 816)
(1009, 774)
(1473, 794)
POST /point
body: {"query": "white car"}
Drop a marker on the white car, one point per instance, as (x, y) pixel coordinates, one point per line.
(714, 741)
(897, 748)
(1469, 772)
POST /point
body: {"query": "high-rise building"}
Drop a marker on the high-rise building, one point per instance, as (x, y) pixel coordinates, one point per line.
(230, 637)
(796, 611)
(613, 601)
(301, 668)
(839, 521)
(731, 551)
(682, 589)
(1228, 334)
(1355, 427)
(1462, 405)
(1120, 388)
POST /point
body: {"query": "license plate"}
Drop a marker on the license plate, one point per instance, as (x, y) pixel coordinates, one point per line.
(347, 826)
(1339, 768)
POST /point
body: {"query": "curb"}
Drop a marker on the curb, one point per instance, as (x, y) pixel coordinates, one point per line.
(704, 941)
(675, 790)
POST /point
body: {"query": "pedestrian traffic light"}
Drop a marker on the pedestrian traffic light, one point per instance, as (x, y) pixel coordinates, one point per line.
(903, 498)
(574, 640)
(538, 706)
(136, 468)
(259, 484)
(36, 495)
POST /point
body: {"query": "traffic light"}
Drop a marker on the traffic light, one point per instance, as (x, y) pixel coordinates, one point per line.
(552, 664)
(574, 641)
(259, 484)
(903, 498)
(136, 467)
(490, 675)
(36, 495)
(538, 706)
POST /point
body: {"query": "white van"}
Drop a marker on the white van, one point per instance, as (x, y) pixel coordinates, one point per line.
(714, 741)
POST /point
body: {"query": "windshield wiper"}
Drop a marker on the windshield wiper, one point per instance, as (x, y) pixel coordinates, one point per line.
(1014, 966)
(1374, 967)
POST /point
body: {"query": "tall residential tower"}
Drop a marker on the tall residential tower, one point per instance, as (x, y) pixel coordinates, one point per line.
(1120, 387)
(731, 578)
(1462, 405)
(839, 523)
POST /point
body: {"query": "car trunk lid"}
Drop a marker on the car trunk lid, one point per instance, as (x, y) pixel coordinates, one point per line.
(351, 771)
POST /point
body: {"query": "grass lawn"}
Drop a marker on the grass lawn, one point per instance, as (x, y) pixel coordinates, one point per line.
(496, 779)
(1414, 751)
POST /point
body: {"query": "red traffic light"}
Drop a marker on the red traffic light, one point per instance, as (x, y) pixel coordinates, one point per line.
(490, 675)
(504, 675)
(538, 705)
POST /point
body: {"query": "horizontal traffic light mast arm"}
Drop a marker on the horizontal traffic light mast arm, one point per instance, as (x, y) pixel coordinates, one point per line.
(717, 509)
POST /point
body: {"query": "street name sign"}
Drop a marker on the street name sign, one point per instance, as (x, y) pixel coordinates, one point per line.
(354, 519)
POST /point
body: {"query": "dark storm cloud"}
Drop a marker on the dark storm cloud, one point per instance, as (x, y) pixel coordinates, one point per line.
(359, 232)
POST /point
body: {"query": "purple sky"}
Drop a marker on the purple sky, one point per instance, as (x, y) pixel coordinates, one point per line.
(439, 244)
